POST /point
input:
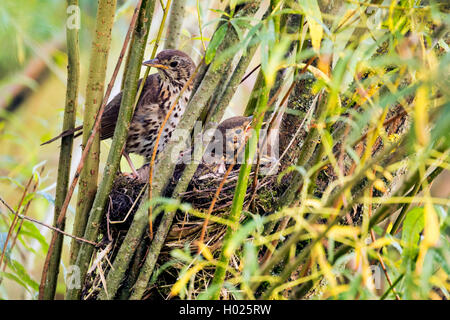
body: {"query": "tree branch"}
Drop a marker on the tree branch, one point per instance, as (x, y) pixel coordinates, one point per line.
(49, 280)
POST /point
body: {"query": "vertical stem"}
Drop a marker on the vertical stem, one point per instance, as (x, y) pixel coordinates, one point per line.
(176, 18)
(240, 192)
(94, 97)
(49, 282)
(217, 112)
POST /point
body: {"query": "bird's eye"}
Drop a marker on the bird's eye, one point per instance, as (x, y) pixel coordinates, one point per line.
(173, 64)
(238, 131)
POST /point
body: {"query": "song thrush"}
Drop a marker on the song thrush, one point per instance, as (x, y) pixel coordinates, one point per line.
(159, 93)
(235, 132)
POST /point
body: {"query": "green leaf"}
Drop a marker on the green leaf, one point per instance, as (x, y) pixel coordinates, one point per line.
(327, 139)
(209, 293)
(427, 272)
(23, 274)
(14, 278)
(237, 28)
(314, 18)
(35, 234)
(30, 230)
(353, 289)
(239, 236)
(219, 11)
(47, 196)
(181, 255)
(217, 39)
(213, 21)
(412, 227)
(243, 22)
(442, 257)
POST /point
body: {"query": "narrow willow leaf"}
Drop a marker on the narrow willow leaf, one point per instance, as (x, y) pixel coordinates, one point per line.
(14, 278)
(237, 28)
(217, 39)
(47, 196)
(206, 252)
(327, 139)
(314, 18)
(30, 230)
(181, 283)
(431, 232)
(209, 292)
(239, 237)
(219, 12)
(21, 272)
(412, 227)
(421, 116)
(181, 255)
(442, 255)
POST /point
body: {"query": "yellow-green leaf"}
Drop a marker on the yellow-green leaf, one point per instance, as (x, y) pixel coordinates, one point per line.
(314, 19)
(217, 39)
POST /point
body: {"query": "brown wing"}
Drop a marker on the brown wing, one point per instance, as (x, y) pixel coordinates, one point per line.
(109, 118)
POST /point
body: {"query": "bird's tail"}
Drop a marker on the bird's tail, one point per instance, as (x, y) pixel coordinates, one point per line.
(65, 134)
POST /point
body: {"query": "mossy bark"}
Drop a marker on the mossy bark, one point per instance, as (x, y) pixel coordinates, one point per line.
(177, 13)
(94, 96)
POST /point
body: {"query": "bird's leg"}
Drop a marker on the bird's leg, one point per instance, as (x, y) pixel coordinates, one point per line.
(130, 163)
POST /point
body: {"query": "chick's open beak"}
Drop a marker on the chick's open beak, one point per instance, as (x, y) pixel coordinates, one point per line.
(154, 63)
(248, 123)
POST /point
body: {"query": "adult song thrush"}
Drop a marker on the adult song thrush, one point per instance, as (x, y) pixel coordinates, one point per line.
(159, 93)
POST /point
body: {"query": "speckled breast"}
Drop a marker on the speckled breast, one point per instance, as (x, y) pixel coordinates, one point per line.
(147, 121)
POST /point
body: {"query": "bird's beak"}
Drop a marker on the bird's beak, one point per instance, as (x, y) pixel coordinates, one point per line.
(248, 123)
(154, 63)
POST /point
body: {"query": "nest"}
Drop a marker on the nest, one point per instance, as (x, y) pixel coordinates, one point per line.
(127, 193)
(200, 193)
